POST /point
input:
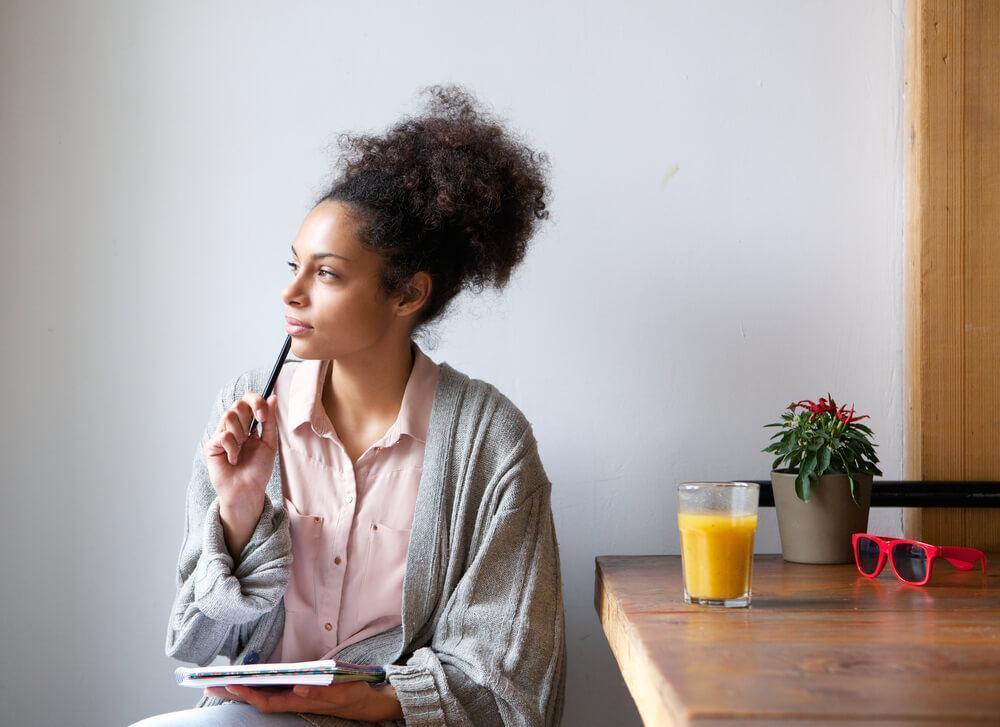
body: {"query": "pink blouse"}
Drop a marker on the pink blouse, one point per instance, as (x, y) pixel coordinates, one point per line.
(350, 524)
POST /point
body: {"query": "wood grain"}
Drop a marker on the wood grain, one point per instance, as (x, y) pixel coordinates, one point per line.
(819, 644)
(953, 251)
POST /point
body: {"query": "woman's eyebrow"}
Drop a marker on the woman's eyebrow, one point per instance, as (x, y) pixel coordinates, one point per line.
(319, 255)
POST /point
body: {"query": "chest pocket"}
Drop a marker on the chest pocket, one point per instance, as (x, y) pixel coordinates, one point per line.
(385, 564)
(305, 531)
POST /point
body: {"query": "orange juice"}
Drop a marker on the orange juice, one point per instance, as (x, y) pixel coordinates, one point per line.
(717, 554)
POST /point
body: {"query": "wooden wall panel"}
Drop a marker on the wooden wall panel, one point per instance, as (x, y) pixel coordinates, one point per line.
(953, 290)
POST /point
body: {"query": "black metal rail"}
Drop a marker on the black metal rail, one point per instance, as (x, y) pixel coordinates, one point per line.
(917, 493)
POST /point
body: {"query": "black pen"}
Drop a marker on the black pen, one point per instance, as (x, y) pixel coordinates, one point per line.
(271, 380)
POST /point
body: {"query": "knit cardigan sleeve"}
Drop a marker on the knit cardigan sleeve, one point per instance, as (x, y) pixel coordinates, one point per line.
(219, 599)
(497, 655)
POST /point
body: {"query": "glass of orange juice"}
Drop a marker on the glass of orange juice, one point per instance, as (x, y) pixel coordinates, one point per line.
(717, 521)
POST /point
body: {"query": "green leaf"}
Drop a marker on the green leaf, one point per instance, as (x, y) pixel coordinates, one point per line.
(803, 480)
(802, 486)
(787, 446)
(854, 490)
(823, 461)
(777, 463)
(809, 464)
(847, 467)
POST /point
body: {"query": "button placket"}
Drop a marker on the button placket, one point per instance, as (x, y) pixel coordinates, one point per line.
(340, 536)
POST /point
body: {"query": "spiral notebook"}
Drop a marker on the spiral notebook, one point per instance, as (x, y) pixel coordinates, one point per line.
(322, 672)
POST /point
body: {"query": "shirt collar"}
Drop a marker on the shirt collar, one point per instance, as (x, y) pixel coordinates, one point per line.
(305, 403)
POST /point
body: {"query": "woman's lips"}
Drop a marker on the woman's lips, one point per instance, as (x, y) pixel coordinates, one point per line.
(295, 327)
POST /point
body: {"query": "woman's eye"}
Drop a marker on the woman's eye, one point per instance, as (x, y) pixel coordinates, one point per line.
(294, 266)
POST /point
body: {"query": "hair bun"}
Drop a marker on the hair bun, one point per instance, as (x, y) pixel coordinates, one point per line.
(449, 191)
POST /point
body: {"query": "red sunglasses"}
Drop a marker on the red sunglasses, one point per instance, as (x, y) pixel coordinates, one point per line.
(911, 560)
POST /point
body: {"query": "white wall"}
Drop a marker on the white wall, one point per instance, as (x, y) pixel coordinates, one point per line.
(727, 237)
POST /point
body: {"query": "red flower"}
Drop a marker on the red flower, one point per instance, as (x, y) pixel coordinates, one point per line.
(847, 415)
(826, 405)
(816, 408)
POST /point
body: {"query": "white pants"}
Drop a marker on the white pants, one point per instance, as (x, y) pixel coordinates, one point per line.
(230, 714)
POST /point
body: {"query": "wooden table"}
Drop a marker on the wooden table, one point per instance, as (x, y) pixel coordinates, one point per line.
(820, 643)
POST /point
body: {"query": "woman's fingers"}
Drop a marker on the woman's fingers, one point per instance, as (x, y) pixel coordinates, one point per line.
(231, 432)
(258, 407)
(220, 692)
(214, 446)
(232, 447)
(223, 443)
(251, 406)
(238, 418)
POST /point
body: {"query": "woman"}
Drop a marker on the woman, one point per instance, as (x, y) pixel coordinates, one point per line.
(392, 511)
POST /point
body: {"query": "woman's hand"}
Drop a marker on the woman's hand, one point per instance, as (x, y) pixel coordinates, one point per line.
(240, 466)
(350, 700)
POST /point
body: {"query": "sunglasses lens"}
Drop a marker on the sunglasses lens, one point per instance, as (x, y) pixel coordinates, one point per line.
(910, 562)
(867, 554)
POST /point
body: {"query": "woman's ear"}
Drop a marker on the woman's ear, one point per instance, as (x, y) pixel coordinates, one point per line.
(416, 294)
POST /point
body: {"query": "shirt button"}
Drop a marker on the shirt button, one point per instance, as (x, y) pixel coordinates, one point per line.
(374, 526)
(350, 499)
(317, 519)
(328, 626)
(336, 560)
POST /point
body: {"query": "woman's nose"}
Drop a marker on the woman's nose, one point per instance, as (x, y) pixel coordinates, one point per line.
(291, 294)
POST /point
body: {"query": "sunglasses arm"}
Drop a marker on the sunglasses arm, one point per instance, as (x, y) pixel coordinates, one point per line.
(962, 558)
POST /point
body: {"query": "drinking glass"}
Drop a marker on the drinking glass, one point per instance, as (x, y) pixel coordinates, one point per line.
(717, 521)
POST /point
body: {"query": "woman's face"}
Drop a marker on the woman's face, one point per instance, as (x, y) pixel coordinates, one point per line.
(335, 289)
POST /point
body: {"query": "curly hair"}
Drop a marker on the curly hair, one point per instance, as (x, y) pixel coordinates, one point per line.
(449, 192)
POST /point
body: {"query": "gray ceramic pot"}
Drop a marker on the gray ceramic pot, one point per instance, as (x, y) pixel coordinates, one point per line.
(819, 531)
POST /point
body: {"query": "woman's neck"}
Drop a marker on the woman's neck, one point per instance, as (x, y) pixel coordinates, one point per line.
(364, 393)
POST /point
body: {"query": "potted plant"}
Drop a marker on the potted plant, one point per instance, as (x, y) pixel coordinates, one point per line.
(822, 480)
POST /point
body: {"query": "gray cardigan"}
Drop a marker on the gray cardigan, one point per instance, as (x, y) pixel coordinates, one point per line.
(482, 640)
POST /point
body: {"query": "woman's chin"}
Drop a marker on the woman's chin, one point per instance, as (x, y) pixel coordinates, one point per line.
(302, 349)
